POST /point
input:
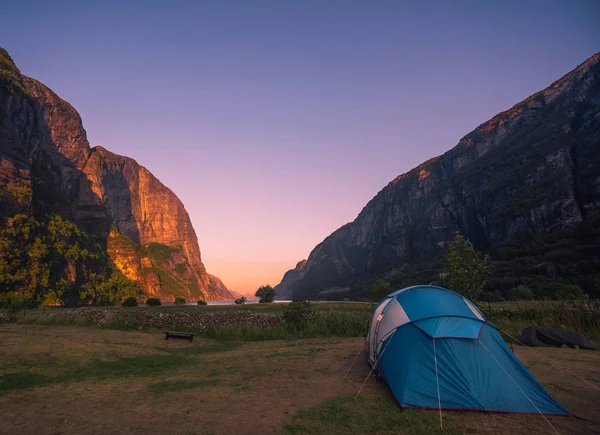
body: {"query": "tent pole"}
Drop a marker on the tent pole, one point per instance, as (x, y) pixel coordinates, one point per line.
(437, 381)
(551, 362)
(520, 389)
(375, 365)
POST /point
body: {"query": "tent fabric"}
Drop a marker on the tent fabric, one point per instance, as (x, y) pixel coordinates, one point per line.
(475, 368)
(450, 327)
(556, 337)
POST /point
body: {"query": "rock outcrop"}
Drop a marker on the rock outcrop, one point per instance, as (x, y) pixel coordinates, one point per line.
(47, 165)
(283, 290)
(526, 173)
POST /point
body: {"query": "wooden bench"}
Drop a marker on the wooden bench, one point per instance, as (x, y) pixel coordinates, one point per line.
(175, 334)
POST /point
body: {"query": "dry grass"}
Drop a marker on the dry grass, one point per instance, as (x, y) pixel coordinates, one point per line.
(93, 380)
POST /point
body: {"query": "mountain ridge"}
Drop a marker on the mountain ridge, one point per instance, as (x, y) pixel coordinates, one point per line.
(472, 188)
(46, 154)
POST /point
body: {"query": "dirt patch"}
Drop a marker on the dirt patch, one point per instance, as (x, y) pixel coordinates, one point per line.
(255, 388)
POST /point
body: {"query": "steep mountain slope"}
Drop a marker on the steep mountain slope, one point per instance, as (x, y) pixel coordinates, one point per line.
(283, 290)
(526, 173)
(47, 167)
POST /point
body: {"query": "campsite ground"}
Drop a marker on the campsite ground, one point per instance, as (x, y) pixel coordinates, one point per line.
(69, 379)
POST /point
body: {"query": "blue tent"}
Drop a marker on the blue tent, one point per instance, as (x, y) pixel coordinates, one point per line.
(436, 350)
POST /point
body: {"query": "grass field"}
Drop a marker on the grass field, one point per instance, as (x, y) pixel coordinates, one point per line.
(73, 380)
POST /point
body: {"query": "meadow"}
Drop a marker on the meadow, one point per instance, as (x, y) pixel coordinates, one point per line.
(289, 379)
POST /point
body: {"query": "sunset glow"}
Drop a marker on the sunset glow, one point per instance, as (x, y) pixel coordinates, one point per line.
(276, 123)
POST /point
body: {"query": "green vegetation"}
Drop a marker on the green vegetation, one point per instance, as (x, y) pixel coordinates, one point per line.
(14, 302)
(153, 302)
(332, 323)
(130, 302)
(240, 301)
(179, 301)
(298, 312)
(181, 385)
(467, 269)
(10, 74)
(378, 290)
(265, 294)
(584, 319)
(367, 414)
(148, 366)
(160, 252)
(520, 293)
(53, 261)
(201, 302)
(564, 265)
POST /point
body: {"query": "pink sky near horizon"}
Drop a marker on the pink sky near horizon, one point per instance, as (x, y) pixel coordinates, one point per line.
(276, 122)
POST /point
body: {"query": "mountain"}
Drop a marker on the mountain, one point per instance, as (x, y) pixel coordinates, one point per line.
(138, 226)
(283, 289)
(513, 187)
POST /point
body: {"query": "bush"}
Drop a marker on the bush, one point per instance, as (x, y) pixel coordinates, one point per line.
(179, 301)
(297, 312)
(153, 302)
(568, 292)
(201, 302)
(520, 292)
(240, 301)
(130, 302)
(15, 302)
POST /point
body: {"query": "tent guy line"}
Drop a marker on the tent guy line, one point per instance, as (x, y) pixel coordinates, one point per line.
(550, 360)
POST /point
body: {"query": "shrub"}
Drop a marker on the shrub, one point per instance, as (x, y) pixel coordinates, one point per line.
(569, 292)
(130, 302)
(240, 301)
(179, 301)
(52, 300)
(265, 294)
(15, 302)
(520, 292)
(201, 302)
(297, 312)
(153, 302)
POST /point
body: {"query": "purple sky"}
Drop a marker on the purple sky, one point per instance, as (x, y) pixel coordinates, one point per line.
(275, 122)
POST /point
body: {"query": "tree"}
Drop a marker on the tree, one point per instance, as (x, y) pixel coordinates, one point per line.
(240, 301)
(379, 289)
(467, 268)
(265, 294)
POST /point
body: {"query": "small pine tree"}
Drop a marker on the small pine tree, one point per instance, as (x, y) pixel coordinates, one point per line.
(467, 268)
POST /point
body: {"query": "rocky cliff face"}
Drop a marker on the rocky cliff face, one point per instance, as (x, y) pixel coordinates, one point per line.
(283, 290)
(526, 173)
(47, 165)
